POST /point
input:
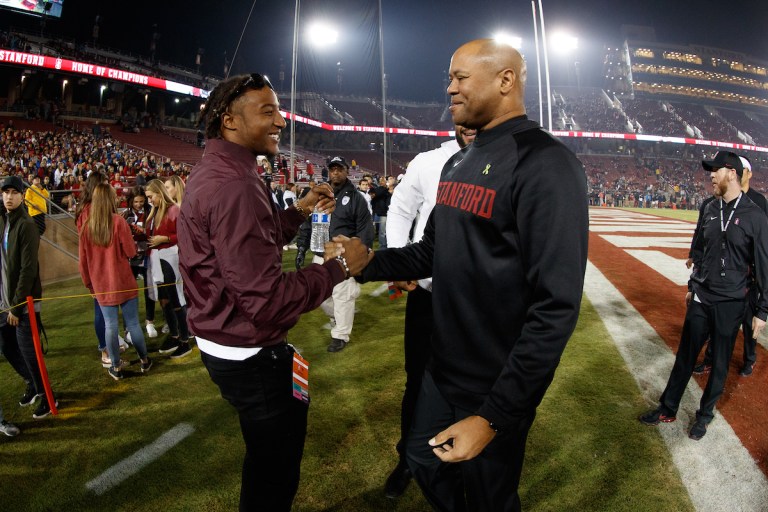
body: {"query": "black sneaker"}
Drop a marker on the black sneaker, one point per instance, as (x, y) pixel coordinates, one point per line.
(115, 373)
(337, 345)
(30, 396)
(702, 368)
(43, 409)
(747, 370)
(655, 417)
(146, 366)
(169, 345)
(9, 429)
(183, 350)
(698, 430)
(397, 481)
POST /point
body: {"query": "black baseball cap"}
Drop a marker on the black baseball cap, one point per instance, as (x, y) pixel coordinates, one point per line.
(722, 159)
(337, 160)
(13, 182)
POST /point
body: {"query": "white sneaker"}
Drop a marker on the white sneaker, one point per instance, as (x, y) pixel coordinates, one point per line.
(121, 342)
(151, 331)
(330, 325)
(128, 338)
(166, 329)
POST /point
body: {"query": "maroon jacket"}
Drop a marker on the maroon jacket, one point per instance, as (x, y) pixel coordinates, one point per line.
(231, 236)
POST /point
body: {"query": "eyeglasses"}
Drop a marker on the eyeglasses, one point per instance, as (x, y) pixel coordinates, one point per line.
(254, 81)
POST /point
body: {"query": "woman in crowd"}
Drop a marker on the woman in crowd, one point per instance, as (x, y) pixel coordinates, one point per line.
(163, 268)
(175, 188)
(136, 215)
(106, 245)
(81, 214)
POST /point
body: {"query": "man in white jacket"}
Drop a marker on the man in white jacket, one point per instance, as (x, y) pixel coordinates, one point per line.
(412, 202)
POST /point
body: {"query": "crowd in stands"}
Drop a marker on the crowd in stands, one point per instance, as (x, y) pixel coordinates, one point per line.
(710, 126)
(63, 160)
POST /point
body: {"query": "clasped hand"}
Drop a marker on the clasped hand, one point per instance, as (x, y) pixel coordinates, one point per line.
(320, 197)
(355, 252)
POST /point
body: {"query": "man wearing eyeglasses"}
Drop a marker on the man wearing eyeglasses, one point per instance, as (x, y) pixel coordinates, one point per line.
(241, 303)
(734, 232)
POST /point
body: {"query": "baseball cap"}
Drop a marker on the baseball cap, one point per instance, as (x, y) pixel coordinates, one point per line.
(724, 159)
(337, 160)
(746, 163)
(13, 182)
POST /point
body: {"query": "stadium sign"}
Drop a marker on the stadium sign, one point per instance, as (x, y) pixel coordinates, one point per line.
(84, 68)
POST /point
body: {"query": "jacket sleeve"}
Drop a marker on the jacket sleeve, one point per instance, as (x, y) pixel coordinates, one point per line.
(85, 273)
(363, 220)
(697, 242)
(760, 255)
(407, 263)
(404, 206)
(125, 238)
(305, 232)
(249, 255)
(29, 241)
(290, 220)
(552, 221)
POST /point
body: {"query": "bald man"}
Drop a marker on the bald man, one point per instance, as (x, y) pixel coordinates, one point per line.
(506, 244)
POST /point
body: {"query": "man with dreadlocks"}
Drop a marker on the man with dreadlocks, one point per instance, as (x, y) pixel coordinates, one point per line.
(241, 303)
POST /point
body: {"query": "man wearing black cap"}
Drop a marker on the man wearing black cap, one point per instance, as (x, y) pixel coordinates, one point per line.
(20, 277)
(734, 232)
(352, 219)
(697, 249)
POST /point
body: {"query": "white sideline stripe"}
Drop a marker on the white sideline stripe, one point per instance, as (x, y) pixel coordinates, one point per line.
(718, 472)
(669, 267)
(645, 242)
(126, 468)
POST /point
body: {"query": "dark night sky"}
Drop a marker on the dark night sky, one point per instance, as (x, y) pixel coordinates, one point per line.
(420, 35)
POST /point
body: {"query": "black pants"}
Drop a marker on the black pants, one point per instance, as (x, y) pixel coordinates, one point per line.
(9, 346)
(149, 304)
(19, 348)
(175, 313)
(750, 343)
(272, 421)
(417, 344)
(487, 483)
(721, 323)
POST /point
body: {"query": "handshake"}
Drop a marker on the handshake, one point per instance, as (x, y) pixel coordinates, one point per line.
(353, 250)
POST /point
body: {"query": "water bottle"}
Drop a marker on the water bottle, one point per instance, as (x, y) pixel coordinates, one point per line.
(321, 230)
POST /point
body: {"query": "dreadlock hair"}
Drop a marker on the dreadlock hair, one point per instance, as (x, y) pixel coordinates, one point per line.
(223, 95)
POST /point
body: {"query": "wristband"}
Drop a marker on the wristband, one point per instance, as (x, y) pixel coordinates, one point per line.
(343, 261)
(301, 210)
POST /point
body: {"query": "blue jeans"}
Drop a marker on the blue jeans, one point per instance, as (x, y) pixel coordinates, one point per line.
(381, 224)
(112, 328)
(98, 325)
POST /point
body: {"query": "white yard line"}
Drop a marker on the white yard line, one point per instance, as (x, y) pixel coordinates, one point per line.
(718, 472)
(126, 468)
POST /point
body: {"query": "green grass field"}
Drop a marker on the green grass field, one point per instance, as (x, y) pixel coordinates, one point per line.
(586, 450)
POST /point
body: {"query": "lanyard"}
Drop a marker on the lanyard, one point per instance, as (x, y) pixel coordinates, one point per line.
(724, 228)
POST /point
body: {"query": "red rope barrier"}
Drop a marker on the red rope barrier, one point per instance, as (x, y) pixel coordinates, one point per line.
(39, 354)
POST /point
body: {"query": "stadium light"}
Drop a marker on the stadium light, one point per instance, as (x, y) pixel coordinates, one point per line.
(63, 88)
(504, 38)
(101, 94)
(321, 34)
(564, 43)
